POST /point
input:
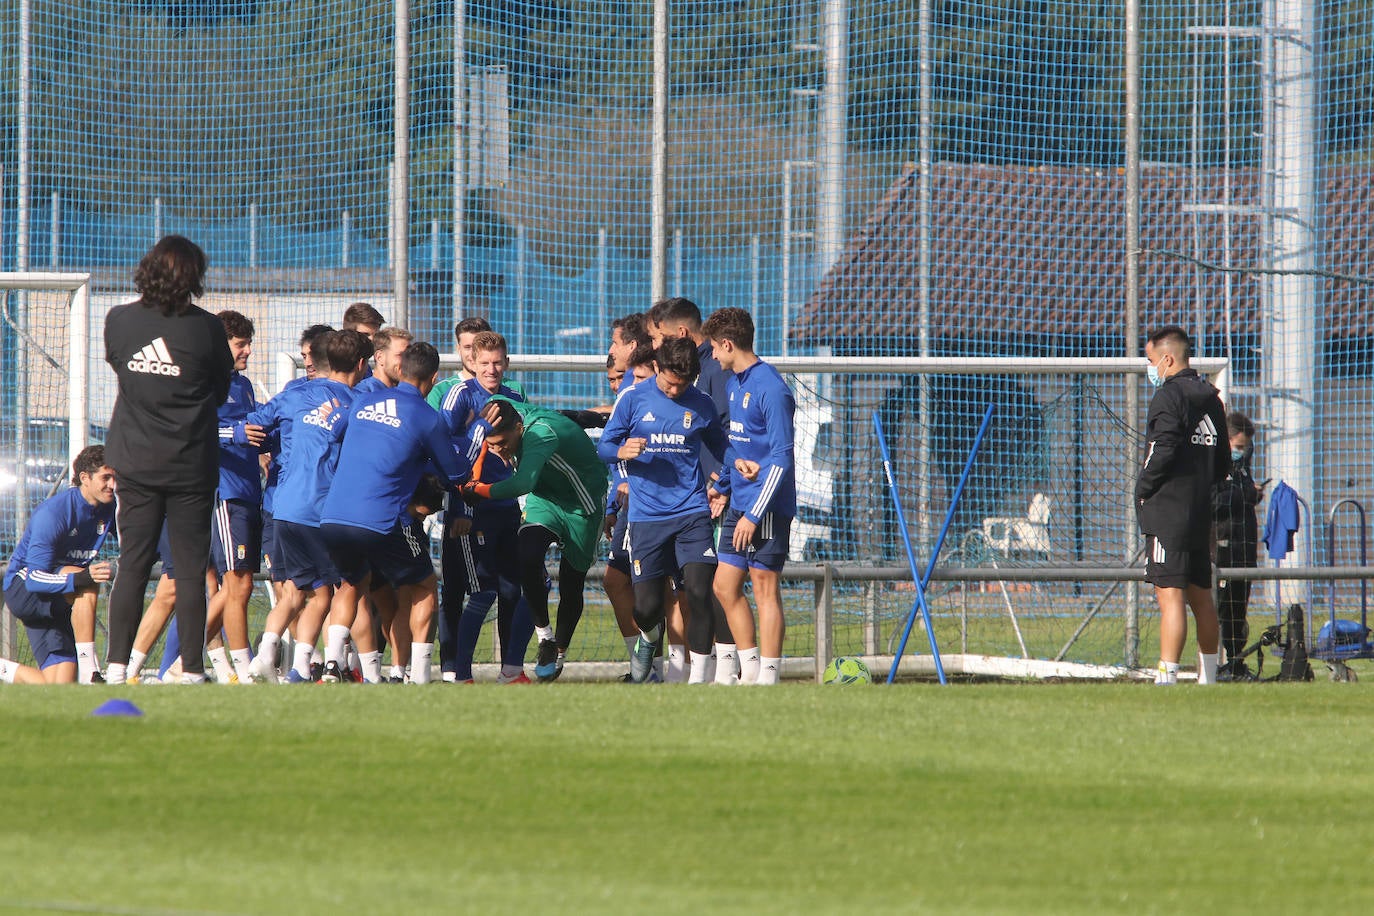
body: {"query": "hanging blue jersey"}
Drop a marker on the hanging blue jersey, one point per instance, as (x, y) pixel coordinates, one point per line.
(666, 480)
(64, 530)
(240, 476)
(761, 410)
(390, 438)
(305, 415)
(462, 410)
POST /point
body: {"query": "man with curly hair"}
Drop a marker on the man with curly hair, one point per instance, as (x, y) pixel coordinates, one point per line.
(173, 363)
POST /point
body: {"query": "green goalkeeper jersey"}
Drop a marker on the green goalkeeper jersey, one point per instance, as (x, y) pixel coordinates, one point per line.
(556, 462)
(436, 394)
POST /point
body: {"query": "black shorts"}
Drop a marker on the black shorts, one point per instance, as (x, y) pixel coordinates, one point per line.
(1176, 568)
(47, 619)
(401, 555)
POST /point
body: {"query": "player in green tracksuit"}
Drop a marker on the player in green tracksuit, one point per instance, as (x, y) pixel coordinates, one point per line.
(564, 483)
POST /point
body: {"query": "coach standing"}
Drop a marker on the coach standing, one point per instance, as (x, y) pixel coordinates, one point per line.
(1186, 452)
(174, 366)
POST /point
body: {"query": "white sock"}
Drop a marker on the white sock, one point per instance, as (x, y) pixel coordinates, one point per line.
(267, 646)
(219, 659)
(1207, 667)
(115, 673)
(85, 662)
(336, 645)
(545, 634)
(727, 663)
(315, 657)
(1167, 673)
(301, 661)
(701, 666)
(630, 644)
(398, 672)
(420, 653)
(242, 659)
(355, 661)
(676, 669)
(286, 655)
(189, 678)
(371, 665)
(449, 677)
(8, 669)
(749, 665)
(136, 660)
(769, 671)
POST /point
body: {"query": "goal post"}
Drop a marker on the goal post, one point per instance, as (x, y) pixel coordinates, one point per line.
(46, 375)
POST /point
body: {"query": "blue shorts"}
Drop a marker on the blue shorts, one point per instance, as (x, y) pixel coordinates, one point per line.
(768, 550)
(618, 557)
(659, 549)
(486, 554)
(164, 553)
(236, 536)
(305, 559)
(270, 556)
(48, 621)
(401, 555)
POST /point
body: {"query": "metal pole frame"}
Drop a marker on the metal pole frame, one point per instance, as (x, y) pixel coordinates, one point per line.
(658, 180)
(400, 176)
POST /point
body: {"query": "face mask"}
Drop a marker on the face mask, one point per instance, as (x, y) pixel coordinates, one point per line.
(1237, 454)
(1152, 373)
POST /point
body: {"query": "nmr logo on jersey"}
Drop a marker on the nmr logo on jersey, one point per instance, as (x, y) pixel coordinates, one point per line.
(381, 412)
(154, 359)
(1206, 433)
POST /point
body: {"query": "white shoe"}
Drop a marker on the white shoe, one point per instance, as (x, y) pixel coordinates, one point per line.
(262, 670)
(1164, 677)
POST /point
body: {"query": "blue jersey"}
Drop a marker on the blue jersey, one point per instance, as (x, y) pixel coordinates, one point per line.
(390, 438)
(274, 445)
(64, 530)
(761, 409)
(714, 380)
(666, 480)
(369, 384)
(310, 450)
(461, 410)
(240, 476)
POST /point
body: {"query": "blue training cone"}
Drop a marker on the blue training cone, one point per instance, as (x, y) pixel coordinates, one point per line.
(117, 708)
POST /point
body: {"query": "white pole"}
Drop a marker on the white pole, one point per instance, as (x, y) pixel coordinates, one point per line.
(925, 95)
(677, 262)
(253, 234)
(755, 281)
(157, 219)
(345, 242)
(786, 284)
(521, 285)
(603, 280)
(21, 262)
(1292, 348)
(460, 154)
(400, 126)
(55, 231)
(830, 206)
(658, 182)
(434, 244)
(78, 369)
(1131, 320)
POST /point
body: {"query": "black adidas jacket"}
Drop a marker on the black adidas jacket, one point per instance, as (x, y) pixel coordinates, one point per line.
(173, 374)
(1186, 452)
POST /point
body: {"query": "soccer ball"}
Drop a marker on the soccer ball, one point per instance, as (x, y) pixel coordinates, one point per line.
(846, 670)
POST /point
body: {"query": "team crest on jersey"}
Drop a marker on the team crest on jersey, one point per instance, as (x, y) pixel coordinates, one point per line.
(745, 402)
(687, 420)
(242, 552)
(481, 539)
(637, 568)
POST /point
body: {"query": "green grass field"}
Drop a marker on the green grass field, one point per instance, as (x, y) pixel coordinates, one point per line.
(1010, 798)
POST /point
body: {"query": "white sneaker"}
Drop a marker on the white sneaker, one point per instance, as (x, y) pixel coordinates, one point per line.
(262, 670)
(1164, 677)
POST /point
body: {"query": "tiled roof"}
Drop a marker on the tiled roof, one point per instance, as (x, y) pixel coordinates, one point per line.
(1021, 251)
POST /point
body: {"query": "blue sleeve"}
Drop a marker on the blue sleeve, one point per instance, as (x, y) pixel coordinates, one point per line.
(45, 530)
(439, 448)
(617, 429)
(777, 464)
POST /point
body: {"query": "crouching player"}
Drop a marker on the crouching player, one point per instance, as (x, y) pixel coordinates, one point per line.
(557, 466)
(755, 535)
(53, 580)
(390, 437)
